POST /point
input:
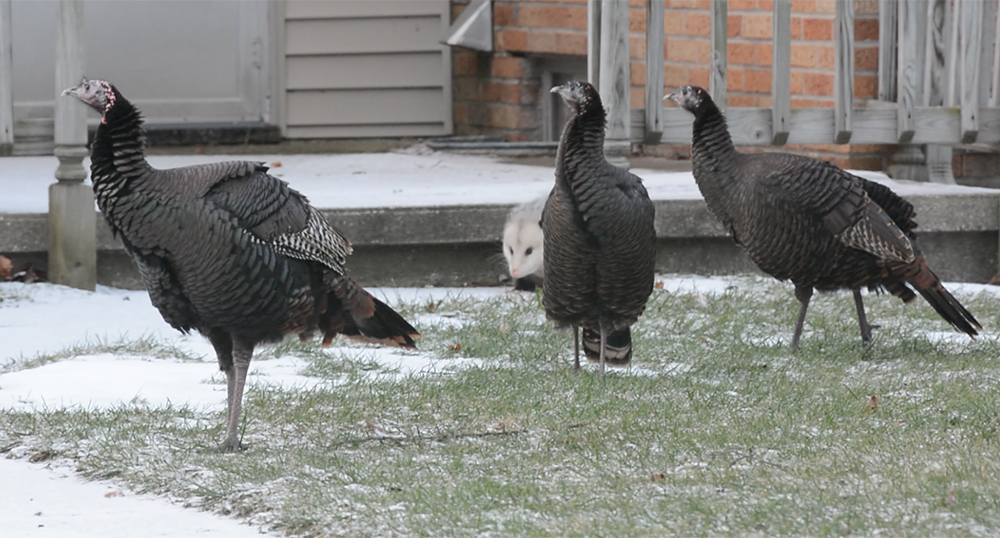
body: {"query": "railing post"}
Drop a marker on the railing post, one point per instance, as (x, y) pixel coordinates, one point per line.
(594, 42)
(72, 235)
(655, 10)
(616, 83)
(6, 81)
(720, 61)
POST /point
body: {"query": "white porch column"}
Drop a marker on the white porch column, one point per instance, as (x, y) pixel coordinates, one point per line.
(6, 82)
(616, 83)
(72, 235)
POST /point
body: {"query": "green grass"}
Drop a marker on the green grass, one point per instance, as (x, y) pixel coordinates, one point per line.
(719, 429)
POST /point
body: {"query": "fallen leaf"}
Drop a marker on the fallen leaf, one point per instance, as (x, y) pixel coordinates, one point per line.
(275, 164)
(995, 281)
(5, 266)
(659, 477)
(658, 285)
(111, 494)
(872, 404)
(456, 347)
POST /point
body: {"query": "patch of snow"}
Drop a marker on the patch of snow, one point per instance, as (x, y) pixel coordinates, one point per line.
(396, 179)
(42, 501)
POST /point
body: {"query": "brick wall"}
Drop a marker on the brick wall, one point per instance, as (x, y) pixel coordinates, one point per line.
(498, 94)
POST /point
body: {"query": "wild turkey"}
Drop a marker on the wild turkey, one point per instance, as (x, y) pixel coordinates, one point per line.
(807, 221)
(600, 245)
(227, 250)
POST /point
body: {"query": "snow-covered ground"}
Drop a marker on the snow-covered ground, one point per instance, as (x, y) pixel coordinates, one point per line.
(399, 179)
(48, 499)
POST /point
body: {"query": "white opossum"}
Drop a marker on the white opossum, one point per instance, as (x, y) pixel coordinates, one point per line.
(522, 244)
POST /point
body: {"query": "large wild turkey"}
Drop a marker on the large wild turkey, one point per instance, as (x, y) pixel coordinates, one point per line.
(807, 221)
(600, 245)
(227, 250)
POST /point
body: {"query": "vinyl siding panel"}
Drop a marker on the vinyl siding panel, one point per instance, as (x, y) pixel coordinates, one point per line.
(417, 70)
(360, 68)
(327, 9)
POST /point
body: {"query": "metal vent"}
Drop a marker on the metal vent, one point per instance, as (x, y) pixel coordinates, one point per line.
(474, 27)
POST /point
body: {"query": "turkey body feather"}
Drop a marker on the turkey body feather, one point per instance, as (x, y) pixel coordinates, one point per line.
(600, 243)
(807, 221)
(227, 249)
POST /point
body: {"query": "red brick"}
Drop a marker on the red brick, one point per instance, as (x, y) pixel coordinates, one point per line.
(866, 29)
(542, 41)
(704, 51)
(817, 29)
(818, 84)
(637, 74)
(741, 101)
(689, 4)
(826, 57)
(571, 44)
(467, 89)
(503, 92)
(734, 80)
(506, 67)
(733, 23)
(741, 53)
(503, 15)
(673, 23)
(803, 6)
(638, 97)
(697, 24)
(796, 81)
(636, 21)
(803, 55)
(574, 18)
(636, 47)
(460, 114)
(698, 76)
(682, 50)
(742, 5)
(765, 5)
(511, 40)
(865, 86)
(796, 28)
(758, 81)
(765, 54)
(463, 64)
(804, 103)
(826, 6)
(675, 76)
(865, 7)
(764, 101)
(866, 59)
(756, 26)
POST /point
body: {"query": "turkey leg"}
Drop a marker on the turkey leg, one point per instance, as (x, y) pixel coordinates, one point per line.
(236, 376)
(576, 348)
(604, 343)
(866, 329)
(803, 294)
(223, 345)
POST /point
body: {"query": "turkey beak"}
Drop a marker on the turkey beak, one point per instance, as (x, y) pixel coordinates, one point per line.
(672, 96)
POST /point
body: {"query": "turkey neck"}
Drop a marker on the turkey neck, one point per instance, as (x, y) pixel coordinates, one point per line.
(118, 153)
(712, 150)
(582, 143)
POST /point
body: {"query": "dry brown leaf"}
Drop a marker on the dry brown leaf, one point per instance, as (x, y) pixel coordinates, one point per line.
(111, 494)
(658, 285)
(872, 404)
(275, 164)
(456, 347)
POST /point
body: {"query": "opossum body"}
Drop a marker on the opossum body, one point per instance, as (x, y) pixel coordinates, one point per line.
(522, 244)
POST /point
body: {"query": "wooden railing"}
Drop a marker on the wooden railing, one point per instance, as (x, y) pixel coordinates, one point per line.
(942, 90)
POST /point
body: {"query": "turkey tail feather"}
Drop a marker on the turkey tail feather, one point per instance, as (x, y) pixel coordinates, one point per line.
(354, 313)
(929, 286)
(618, 351)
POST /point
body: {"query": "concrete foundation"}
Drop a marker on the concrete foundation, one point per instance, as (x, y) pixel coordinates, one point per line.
(460, 245)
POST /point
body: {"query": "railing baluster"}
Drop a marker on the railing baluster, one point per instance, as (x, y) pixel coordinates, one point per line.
(781, 68)
(843, 79)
